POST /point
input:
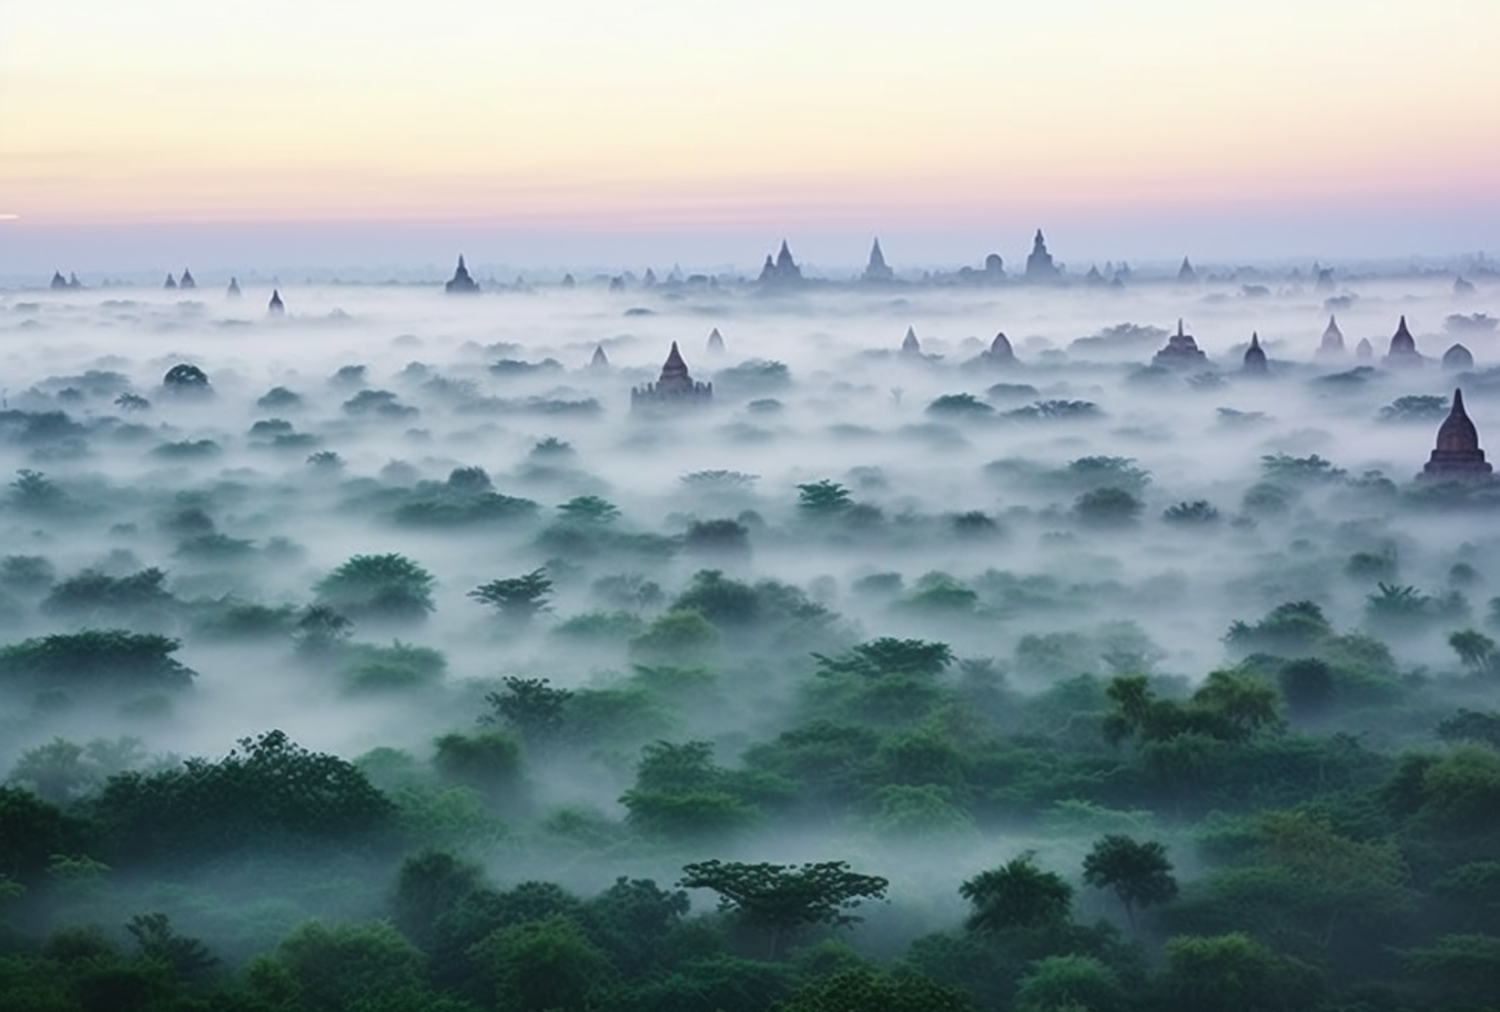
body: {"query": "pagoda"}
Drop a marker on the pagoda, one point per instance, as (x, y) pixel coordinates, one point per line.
(59, 283)
(877, 270)
(1332, 345)
(1364, 350)
(1403, 351)
(910, 346)
(233, 292)
(1185, 274)
(1255, 359)
(1181, 352)
(675, 387)
(600, 361)
(1458, 359)
(275, 307)
(783, 270)
(1000, 352)
(171, 282)
(188, 280)
(461, 283)
(1457, 456)
(715, 342)
(1039, 265)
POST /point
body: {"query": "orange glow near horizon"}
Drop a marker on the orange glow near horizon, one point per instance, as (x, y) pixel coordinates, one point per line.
(455, 112)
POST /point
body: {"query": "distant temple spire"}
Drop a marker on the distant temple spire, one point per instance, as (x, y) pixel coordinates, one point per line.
(461, 283)
(600, 361)
(1039, 265)
(234, 288)
(1458, 359)
(187, 279)
(1457, 456)
(59, 283)
(1000, 351)
(1403, 350)
(1364, 350)
(171, 282)
(1185, 273)
(674, 388)
(1332, 345)
(1181, 351)
(783, 270)
(275, 307)
(877, 269)
(1255, 358)
(715, 342)
(910, 346)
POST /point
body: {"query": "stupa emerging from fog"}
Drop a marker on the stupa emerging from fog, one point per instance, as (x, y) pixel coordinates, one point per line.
(1403, 351)
(1181, 352)
(461, 284)
(1364, 350)
(1000, 352)
(1458, 359)
(187, 279)
(1457, 456)
(171, 282)
(715, 342)
(910, 346)
(63, 284)
(1332, 345)
(783, 270)
(1255, 359)
(275, 307)
(673, 389)
(1185, 274)
(1039, 265)
(600, 361)
(877, 270)
(233, 291)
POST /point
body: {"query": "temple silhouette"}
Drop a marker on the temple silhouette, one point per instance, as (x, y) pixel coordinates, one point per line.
(675, 387)
(715, 342)
(1255, 363)
(1457, 456)
(1332, 345)
(233, 291)
(1403, 352)
(275, 307)
(1181, 352)
(461, 283)
(1458, 359)
(1039, 265)
(877, 270)
(187, 279)
(783, 270)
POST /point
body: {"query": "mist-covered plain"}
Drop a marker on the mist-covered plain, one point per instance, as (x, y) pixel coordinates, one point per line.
(391, 656)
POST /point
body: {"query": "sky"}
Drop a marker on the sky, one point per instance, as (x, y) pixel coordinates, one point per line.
(330, 131)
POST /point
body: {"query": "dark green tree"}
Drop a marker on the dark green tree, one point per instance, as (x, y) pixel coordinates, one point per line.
(1018, 894)
(779, 899)
(823, 498)
(518, 599)
(386, 588)
(1139, 873)
(531, 706)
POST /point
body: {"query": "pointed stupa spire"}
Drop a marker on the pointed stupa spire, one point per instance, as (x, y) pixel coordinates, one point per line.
(1364, 350)
(877, 269)
(187, 279)
(1403, 349)
(674, 387)
(461, 283)
(233, 291)
(1457, 455)
(909, 344)
(171, 282)
(1181, 351)
(1255, 358)
(275, 307)
(1001, 352)
(1039, 264)
(1332, 344)
(1186, 272)
(715, 342)
(58, 281)
(600, 360)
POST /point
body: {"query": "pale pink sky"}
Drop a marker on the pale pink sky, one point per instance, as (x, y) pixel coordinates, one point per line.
(1147, 126)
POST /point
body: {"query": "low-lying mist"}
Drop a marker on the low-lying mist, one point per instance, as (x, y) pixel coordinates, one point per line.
(879, 600)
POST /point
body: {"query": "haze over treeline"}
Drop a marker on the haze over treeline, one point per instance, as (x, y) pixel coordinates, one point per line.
(971, 644)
